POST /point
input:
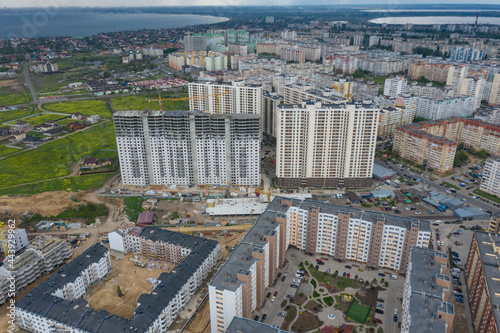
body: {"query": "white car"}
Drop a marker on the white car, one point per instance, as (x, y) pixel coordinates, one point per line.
(297, 280)
(395, 311)
(418, 213)
(273, 298)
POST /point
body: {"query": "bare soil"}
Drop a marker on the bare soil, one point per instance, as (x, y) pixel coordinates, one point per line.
(306, 322)
(46, 204)
(15, 85)
(133, 282)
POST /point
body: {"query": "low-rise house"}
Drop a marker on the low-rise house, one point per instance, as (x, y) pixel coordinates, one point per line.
(21, 125)
(77, 116)
(75, 126)
(52, 132)
(51, 123)
(5, 130)
(33, 140)
(17, 136)
(44, 127)
(91, 163)
(93, 119)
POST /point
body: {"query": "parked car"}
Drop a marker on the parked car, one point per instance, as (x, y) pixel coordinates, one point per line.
(294, 286)
(376, 320)
(316, 267)
(348, 266)
(395, 318)
(321, 262)
(380, 305)
(379, 311)
(356, 277)
(273, 299)
(395, 311)
(286, 273)
(264, 316)
(348, 275)
(336, 273)
(380, 300)
(283, 279)
(297, 281)
(281, 314)
(256, 318)
(418, 213)
(381, 274)
(328, 270)
(300, 271)
(276, 293)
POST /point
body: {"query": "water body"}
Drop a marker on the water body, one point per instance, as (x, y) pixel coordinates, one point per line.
(429, 20)
(430, 10)
(50, 23)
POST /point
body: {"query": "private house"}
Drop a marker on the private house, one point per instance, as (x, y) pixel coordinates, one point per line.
(77, 116)
(52, 132)
(32, 140)
(75, 126)
(5, 131)
(17, 136)
(21, 125)
(44, 127)
(51, 123)
(91, 163)
(93, 119)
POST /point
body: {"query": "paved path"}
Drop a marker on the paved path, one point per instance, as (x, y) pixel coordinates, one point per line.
(30, 85)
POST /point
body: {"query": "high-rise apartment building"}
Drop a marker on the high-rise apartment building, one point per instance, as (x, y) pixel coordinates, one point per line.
(345, 233)
(427, 293)
(195, 43)
(188, 148)
(390, 118)
(395, 86)
(325, 145)
(218, 98)
(297, 93)
(269, 113)
(461, 106)
(494, 98)
(490, 182)
(482, 281)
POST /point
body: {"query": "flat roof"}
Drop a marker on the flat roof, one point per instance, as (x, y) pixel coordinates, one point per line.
(382, 172)
(245, 325)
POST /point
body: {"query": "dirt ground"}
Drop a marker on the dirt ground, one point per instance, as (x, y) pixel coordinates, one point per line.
(46, 204)
(133, 282)
(16, 85)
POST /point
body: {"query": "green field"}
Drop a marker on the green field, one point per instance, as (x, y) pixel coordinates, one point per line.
(49, 84)
(105, 154)
(55, 159)
(138, 102)
(4, 151)
(79, 183)
(41, 118)
(8, 97)
(86, 108)
(358, 312)
(6, 116)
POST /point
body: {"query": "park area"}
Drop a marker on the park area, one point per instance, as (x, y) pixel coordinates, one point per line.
(133, 282)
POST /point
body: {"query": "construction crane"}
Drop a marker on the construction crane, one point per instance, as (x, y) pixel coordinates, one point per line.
(188, 33)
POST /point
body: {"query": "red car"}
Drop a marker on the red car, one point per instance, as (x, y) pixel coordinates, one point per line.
(378, 321)
(348, 275)
(276, 293)
(319, 260)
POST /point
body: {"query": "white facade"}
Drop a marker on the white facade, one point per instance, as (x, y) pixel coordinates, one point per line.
(462, 106)
(220, 98)
(186, 148)
(395, 86)
(490, 182)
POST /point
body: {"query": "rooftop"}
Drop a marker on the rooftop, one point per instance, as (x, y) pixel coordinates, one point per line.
(239, 325)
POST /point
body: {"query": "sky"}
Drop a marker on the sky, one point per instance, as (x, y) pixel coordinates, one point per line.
(143, 3)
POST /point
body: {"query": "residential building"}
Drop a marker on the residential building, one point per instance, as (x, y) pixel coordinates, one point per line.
(494, 98)
(220, 98)
(290, 53)
(17, 136)
(188, 148)
(18, 240)
(395, 86)
(269, 114)
(461, 106)
(345, 233)
(5, 131)
(465, 54)
(325, 145)
(297, 93)
(179, 59)
(195, 43)
(482, 281)
(93, 119)
(473, 86)
(241, 324)
(429, 91)
(22, 126)
(490, 182)
(494, 226)
(364, 90)
(430, 71)
(58, 302)
(488, 114)
(390, 118)
(427, 294)
(43, 255)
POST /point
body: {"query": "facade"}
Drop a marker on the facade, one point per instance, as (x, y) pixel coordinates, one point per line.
(188, 147)
(195, 43)
(427, 293)
(345, 233)
(490, 182)
(429, 71)
(218, 98)
(269, 114)
(494, 98)
(395, 86)
(482, 281)
(462, 106)
(19, 237)
(325, 145)
(364, 90)
(297, 93)
(48, 307)
(390, 118)
(42, 256)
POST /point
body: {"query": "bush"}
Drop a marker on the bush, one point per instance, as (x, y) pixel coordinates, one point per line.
(328, 300)
(313, 282)
(315, 294)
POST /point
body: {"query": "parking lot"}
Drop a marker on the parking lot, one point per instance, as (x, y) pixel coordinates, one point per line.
(391, 295)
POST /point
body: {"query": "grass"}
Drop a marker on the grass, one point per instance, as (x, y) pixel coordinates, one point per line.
(88, 211)
(487, 196)
(41, 118)
(138, 102)
(450, 185)
(328, 300)
(105, 154)
(339, 281)
(358, 312)
(9, 97)
(133, 207)
(5, 151)
(86, 107)
(79, 183)
(56, 158)
(7, 116)
(313, 282)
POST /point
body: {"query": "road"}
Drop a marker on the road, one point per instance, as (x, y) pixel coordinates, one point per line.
(30, 85)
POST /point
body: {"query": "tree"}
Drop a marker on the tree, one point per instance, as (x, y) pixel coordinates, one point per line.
(119, 291)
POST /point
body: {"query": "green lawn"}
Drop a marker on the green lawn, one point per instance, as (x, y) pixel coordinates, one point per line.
(8, 97)
(56, 159)
(41, 118)
(358, 312)
(450, 185)
(338, 281)
(134, 207)
(79, 183)
(49, 84)
(6, 116)
(105, 154)
(86, 108)
(487, 196)
(4, 151)
(138, 102)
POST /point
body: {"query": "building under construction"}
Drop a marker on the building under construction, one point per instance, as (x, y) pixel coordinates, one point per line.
(188, 148)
